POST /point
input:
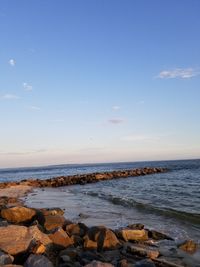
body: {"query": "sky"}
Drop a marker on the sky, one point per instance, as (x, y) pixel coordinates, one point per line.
(99, 81)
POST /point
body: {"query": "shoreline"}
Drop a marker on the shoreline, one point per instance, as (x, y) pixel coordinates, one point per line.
(46, 236)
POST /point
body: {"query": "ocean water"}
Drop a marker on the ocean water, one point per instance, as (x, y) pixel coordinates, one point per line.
(169, 202)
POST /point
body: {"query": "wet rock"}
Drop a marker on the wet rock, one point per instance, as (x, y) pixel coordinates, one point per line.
(143, 251)
(188, 246)
(18, 214)
(99, 238)
(61, 238)
(99, 264)
(54, 221)
(145, 263)
(157, 235)
(38, 261)
(133, 235)
(5, 258)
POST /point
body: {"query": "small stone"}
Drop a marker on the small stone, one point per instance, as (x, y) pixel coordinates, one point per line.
(38, 261)
(18, 214)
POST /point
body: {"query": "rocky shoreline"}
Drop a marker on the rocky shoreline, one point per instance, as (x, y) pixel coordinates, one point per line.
(83, 178)
(44, 237)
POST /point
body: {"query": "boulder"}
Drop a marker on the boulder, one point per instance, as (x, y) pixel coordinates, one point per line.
(99, 238)
(99, 264)
(143, 251)
(53, 221)
(133, 234)
(15, 239)
(61, 238)
(5, 258)
(136, 226)
(38, 261)
(18, 214)
(188, 246)
(39, 236)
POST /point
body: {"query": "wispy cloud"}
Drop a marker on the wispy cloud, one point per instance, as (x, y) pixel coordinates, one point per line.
(115, 107)
(9, 97)
(139, 137)
(36, 108)
(178, 73)
(27, 152)
(27, 87)
(116, 121)
(12, 62)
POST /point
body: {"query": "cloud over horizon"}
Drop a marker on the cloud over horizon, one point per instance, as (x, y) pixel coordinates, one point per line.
(178, 73)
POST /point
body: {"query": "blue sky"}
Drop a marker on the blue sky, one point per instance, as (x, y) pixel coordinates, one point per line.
(99, 81)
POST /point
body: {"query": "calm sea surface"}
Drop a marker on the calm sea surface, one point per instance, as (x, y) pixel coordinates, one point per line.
(169, 202)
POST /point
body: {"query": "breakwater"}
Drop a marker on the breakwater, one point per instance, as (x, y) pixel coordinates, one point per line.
(84, 178)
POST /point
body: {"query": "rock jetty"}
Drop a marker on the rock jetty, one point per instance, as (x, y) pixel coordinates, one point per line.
(83, 178)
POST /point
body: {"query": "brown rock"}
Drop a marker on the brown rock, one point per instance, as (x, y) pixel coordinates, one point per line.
(37, 235)
(61, 238)
(52, 211)
(14, 239)
(143, 251)
(18, 214)
(53, 221)
(133, 235)
(76, 229)
(189, 246)
(100, 237)
(98, 264)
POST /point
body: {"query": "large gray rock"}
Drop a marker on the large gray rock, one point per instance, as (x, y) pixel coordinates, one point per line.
(5, 258)
(38, 261)
(18, 214)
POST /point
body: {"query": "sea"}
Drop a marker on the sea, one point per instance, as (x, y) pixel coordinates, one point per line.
(168, 202)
